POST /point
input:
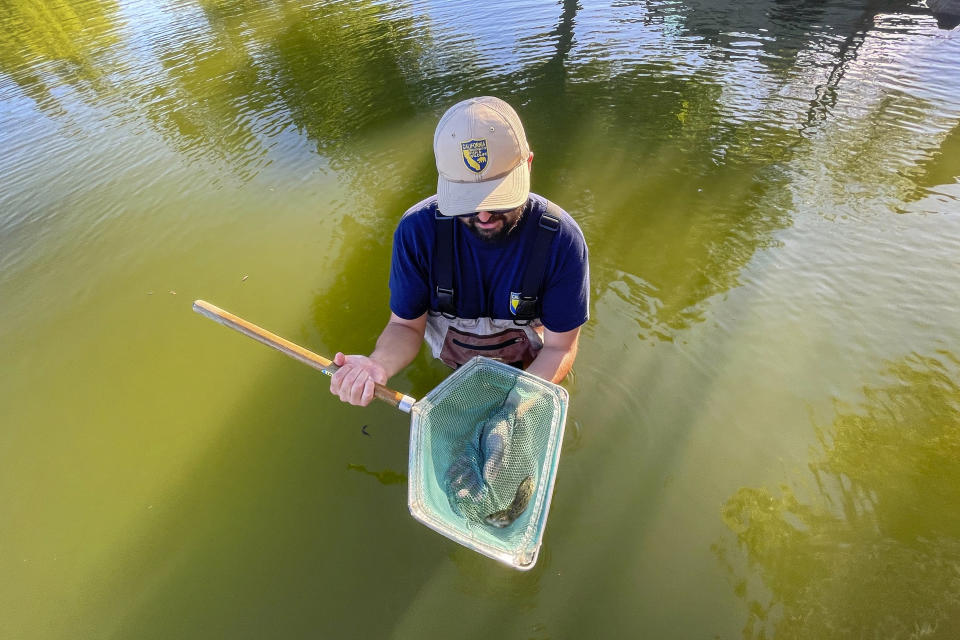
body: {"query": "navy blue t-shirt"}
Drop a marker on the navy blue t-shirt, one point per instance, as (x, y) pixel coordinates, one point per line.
(485, 274)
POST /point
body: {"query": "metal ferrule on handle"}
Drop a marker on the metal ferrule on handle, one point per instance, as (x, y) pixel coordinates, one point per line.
(395, 398)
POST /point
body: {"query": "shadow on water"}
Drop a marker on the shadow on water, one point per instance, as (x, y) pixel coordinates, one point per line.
(385, 476)
(880, 514)
(269, 534)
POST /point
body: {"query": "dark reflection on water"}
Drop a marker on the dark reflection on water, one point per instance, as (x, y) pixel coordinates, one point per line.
(624, 137)
(872, 551)
(947, 13)
(942, 167)
(326, 71)
(337, 67)
(385, 476)
(54, 42)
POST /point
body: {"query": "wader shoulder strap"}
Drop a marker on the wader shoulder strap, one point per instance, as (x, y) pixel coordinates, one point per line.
(528, 304)
(443, 263)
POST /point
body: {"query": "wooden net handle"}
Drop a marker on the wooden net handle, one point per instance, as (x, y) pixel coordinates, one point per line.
(391, 397)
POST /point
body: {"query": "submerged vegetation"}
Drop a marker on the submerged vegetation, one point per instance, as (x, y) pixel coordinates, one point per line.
(872, 550)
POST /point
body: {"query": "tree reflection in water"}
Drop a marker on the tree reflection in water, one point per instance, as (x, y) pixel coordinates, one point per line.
(55, 42)
(875, 550)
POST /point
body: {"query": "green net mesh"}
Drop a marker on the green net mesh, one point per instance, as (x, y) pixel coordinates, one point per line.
(483, 454)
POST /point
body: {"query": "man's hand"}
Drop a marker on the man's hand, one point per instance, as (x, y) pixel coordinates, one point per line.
(355, 378)
(397, 346)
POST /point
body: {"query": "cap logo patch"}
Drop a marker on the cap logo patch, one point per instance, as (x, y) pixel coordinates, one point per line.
(474, 154)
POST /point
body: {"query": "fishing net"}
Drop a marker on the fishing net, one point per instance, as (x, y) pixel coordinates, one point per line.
(484, 447)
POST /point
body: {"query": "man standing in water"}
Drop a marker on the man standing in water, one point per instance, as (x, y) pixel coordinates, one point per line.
(484, 267)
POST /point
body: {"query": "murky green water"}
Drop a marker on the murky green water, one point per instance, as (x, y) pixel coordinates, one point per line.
(764, 432)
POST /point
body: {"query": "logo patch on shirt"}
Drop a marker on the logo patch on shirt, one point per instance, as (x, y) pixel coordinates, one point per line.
(514, 302)
(474, 154)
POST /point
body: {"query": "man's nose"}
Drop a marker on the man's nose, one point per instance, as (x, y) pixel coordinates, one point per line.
(484, 216)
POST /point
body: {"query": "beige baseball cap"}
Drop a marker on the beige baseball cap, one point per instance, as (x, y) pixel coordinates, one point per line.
(481, 153)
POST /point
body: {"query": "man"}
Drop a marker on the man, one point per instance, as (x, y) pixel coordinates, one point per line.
(484, 267)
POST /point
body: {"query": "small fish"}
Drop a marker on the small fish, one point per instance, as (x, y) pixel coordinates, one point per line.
(520, 502)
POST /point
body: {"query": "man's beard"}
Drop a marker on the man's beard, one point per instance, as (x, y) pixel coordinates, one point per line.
(510, 221)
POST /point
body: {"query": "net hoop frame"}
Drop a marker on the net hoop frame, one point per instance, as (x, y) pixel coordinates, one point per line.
(524, 554)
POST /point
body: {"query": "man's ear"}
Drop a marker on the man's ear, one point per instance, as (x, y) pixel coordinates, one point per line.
(530, 161)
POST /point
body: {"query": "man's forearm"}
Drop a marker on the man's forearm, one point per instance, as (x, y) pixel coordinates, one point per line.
(396, 347)
(553, 363)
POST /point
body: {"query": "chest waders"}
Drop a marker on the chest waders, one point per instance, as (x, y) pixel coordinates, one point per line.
(455, 340)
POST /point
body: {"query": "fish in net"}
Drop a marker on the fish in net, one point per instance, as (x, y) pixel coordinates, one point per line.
(493, 474)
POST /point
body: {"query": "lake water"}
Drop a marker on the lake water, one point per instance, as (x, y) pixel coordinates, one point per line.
(764, 430)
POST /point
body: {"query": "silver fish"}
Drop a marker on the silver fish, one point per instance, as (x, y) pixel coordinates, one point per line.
(520, 502)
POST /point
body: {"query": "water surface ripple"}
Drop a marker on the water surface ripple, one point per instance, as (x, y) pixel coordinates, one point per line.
(764, 414)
